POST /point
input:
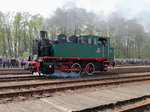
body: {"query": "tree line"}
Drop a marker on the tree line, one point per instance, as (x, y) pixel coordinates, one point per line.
(18, 30)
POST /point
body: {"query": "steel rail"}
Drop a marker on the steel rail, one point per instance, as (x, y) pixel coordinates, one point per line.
(14, 72)
(134, 108)
(26, 78)
(70, 82)
(21, 78)
(12, 69)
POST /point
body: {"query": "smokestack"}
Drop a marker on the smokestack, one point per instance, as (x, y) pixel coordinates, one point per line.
(43, 34)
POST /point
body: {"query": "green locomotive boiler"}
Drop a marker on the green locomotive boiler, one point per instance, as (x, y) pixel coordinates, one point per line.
(79, 54)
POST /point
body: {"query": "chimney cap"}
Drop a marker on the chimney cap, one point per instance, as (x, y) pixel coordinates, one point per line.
(43, 34)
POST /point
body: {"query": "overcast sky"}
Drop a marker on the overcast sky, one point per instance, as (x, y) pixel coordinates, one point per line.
(128, 8)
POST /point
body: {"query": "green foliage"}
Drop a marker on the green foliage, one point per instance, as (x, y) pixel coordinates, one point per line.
(17, 33)
(25, 54)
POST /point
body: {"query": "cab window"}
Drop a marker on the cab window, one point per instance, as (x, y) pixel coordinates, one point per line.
(102, 41)
(94, 41)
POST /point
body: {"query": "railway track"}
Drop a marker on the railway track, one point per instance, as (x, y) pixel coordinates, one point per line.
(17, 74)
(117, 70)
(139, 104)
(29, 77)
(61, 86)
(137, 108)
(21, 78)
(90, 80)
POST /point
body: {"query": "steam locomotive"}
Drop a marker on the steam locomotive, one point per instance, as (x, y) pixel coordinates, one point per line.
(74, 54)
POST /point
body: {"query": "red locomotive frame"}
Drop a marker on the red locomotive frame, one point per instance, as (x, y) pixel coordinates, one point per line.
(71, 64)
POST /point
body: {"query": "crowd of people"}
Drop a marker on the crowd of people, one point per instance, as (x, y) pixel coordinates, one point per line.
(132, 61)
(6, 62)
